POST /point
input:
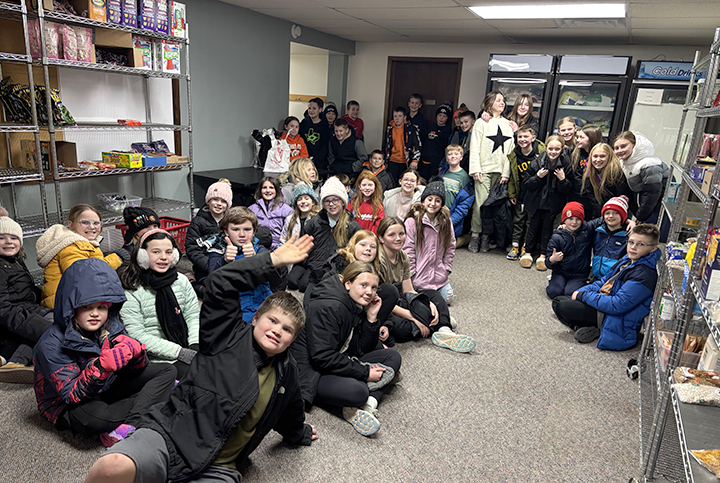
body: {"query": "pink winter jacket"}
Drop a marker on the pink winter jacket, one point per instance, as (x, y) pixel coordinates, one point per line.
(429, 267)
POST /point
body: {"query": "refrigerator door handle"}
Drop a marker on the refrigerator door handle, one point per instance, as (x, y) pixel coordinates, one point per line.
(518, 81)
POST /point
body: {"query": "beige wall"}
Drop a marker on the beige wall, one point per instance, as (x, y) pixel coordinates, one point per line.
(367, 70)
(308, 76)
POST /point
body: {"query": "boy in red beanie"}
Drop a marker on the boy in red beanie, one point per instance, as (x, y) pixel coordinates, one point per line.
(568, 251)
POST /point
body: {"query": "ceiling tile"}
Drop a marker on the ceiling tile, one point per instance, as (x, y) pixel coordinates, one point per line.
(560, 33)
(675, 10)
(298, 13)
(343, 23)
(432, 25)
(386, 3)
(451, 13)
(273, 3)
(674, 23)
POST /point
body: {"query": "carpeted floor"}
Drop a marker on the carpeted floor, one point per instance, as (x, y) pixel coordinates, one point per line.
(528, 404)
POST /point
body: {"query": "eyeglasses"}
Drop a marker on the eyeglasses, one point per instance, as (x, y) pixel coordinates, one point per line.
(88, 224)
(332, 201)
(409, 180)
(633, 243)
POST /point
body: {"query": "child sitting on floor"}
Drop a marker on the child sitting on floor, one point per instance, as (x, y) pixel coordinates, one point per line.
(614, 307)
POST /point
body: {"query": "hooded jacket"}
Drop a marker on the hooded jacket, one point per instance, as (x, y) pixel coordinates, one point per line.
(430, 266)
(628, 303)
(518, 170)
(324, 243)
(461, 205)
(608, 248)
(548, 192)
(202, 225)
(332, 317)
(67, 370)
(576, 247)
(411, 138)
(390, 200)
(386, 180)
(647, 176)
(272, 219)
(57, 249)
(347, 157)
(297, 146)
(222, 383)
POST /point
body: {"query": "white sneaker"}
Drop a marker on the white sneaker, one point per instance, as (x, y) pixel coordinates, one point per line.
(362, 419)
(454, 342)
(453, 323)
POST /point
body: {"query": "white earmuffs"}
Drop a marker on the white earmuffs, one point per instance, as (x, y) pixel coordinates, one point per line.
(143, 259)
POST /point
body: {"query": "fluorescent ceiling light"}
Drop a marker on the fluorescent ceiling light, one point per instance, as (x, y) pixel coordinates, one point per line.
(579, 10)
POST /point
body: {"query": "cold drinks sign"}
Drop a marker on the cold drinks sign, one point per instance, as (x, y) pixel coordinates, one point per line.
(665, 70)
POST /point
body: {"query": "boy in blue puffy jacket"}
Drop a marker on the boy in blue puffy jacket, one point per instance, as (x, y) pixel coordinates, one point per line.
(610, 242)
(614, 307)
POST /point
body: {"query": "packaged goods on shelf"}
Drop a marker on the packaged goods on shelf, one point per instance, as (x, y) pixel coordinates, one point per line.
(177, 159)
(129, 13)
(710, 357)
(143, 46)
(114, 11)
(143, 147)
(92, 9)
(94, 165)
(707, 180)
(696, 376)
(66, 152)
(167, 56)
(123, 159)
(16, 100)
(690, 355)
(697, 394)
(697, 172)
(53, 43)
(146, 14)
(710, 146)
(178, 27)
(118, 202)
(710, 284)
(154, 160)
(162, 22)
(672, 192)
(682, 152)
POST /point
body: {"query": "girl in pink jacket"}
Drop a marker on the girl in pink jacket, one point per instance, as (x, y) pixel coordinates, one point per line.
(430, 242)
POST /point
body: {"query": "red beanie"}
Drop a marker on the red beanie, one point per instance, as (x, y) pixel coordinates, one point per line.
(573, 209)
(619, 204)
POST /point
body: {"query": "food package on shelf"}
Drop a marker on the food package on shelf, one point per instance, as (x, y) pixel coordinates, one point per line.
(53, 43)
(146, 14)
(114, 11)
(696, 376)
(16, 99)
(167, 56)
(118, 202)
(129, 13)
(698, 394)
(162, 23)
(178, 26)
(144, 46)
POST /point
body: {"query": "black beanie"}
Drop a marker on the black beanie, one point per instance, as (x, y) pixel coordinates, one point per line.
(137, 218)
(436, 188)
(445, 109)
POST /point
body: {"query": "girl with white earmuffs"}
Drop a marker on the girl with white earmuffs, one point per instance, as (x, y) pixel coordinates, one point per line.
(162, 309)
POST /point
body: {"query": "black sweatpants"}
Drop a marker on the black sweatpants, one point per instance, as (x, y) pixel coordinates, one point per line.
(130, 396)
(562, 284)
(346, 391)
(540, 229)
(404, 330)
(396, 170)
(574, 313)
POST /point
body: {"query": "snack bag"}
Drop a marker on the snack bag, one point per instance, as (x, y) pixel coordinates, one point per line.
(69, 42)
(84, 43)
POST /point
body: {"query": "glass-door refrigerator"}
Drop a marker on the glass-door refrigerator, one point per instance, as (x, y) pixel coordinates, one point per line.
(514, 75)
(655, 103)
(591, 89)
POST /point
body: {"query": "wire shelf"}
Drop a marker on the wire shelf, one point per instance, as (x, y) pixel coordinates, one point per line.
(111, 126)
(116, 69)
(9, 7)
(15, 127)
(91, 173)
(714, 328)
(8, 57)
(18, 175)
(708, 112)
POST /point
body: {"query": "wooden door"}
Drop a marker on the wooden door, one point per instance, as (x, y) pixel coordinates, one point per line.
(436, 79)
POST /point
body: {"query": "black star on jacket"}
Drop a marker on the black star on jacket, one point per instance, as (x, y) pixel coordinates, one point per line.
(498, 140)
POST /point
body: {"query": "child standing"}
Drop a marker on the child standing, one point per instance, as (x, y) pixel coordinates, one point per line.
(238, 228)
(434, 141)
(610, 243)
(522, 113)
(331, 114)
(291, 125)
(376, 165)
(218, 199)
(401, 144)
(430, 242)
(60, 246)
(366, 206)
(461, 135)
(567, 128)
(22, 319)
(352, 116)
(316, 133)
(568, 251)
(526, 150)
(546, 184)
(415, 117)
(162, 310)
(459, 191)
(586, 139)
(604, 177)
(90, 377)
(242, 385)
(614, 307)
(270, 208)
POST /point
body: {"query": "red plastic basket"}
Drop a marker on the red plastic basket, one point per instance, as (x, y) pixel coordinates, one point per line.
(177, 227)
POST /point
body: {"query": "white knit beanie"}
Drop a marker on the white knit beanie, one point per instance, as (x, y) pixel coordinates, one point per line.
(333, 187)
(8, 226)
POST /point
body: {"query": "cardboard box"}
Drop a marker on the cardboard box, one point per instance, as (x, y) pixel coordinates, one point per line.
(143, 47)
(162, 22)
(167, 56)
(129, 13)
(707, 178)
(697, 172)
(96, 9)
(146, 14)
(710, 284)
(66, 153)
(113, 38)
(177, 159)
(33, 4)
(134, 56)
(114, 11)
(154, 160)
(687, 359)
(710, 356)
(178, 25)
(123, 159)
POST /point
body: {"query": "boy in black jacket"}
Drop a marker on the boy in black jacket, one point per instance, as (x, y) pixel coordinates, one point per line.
(241, 384)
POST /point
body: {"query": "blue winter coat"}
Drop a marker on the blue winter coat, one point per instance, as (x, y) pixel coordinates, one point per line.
(627, 305)
(607, 249)
(462, 204)
(576, 248)
(66, 368)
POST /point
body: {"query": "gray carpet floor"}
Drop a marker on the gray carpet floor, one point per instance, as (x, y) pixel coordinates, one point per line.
(528, 404)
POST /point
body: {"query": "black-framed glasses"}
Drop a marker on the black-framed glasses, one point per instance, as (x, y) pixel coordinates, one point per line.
(640, 244)
(332, 201)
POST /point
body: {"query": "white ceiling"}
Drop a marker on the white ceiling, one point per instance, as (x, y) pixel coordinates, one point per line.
(648, 22)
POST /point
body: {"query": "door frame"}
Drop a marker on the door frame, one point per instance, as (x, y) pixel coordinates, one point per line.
(391, 77)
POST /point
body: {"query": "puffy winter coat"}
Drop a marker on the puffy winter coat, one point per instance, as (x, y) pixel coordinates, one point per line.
(390, 200)
(386, 180)
(272, 219)
(331, 317)
(411, 138)
(222, 383)
(141, 320)
(67, 371)
(628, 303)
(576, 248)
(608, 248)
(609, 191)
(203, 224)
(462, 204)
(548, 192)
(496, 214)
(647, 176)
(324, 243)
(57, 249)
(430, 266)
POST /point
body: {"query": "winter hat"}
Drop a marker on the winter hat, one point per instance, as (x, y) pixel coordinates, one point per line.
(302, 189)
(330, 107)
(8, 226)
(436, 188)
(619, 204)
(222, 190)
(445, 109)
(573, 209)
(138, 218)
(333, 187)
(3, 211)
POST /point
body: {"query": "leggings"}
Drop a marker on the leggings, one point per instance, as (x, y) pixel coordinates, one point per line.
(540, 229)
(129, 397)
(346, 391)
(574, 313)
(404, 330)
(561, 284)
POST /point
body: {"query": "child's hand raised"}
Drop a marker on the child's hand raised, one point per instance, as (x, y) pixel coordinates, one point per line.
(231, 250)
(542, 173)
(248, 249)
(373, 308)
(295, 250)
(556, 256)
(560, 173)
